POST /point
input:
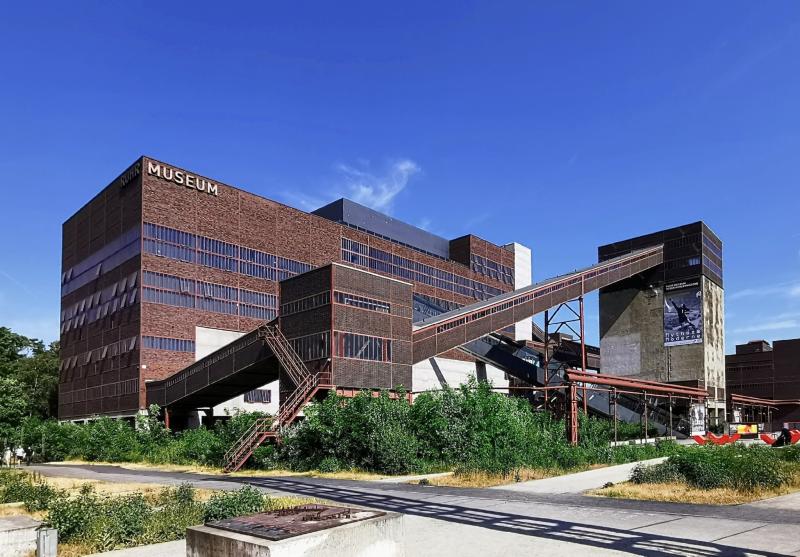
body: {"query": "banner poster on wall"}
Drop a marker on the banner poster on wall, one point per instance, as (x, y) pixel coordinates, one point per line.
(683, 313)
(697, 419)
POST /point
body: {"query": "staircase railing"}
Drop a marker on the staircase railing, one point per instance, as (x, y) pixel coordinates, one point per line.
(306, 386)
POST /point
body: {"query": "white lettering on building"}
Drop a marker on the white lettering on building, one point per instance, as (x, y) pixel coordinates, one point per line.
(182, 178)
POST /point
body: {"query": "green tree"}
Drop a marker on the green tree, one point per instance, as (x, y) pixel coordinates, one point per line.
(34, 367)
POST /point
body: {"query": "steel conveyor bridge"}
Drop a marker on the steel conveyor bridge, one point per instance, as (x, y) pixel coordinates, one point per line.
(437, 334)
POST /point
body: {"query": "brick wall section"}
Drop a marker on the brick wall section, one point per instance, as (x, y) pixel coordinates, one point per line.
(93, 388)
(395, 325)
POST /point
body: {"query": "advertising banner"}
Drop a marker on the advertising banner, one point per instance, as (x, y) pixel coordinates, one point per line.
(697, 419)
(683, 313)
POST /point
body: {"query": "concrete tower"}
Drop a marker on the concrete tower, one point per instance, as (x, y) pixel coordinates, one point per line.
(667, 324)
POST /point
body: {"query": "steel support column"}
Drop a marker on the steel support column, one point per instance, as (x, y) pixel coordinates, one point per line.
(573, 414)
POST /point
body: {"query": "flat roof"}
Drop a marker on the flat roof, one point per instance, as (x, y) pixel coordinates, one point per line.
(350, 213)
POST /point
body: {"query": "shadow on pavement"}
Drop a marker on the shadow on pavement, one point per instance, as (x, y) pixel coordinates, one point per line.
(636, 543)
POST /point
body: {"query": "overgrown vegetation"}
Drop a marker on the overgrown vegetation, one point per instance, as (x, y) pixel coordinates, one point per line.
(469, 429)
(99, 522)
(738, 467)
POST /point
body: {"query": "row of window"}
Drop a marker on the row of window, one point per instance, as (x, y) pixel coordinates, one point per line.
(681, 263)
(108, 351)
(393, 240)
(307, 303)
(258, 396)
(446, 305)
(362, 302)
(712, 247)
(492, 269)
(312, 347)
(192, 248)
(103, 260)
(385, 262)
(160, 288)
(361, 347)
(90, 315)
(532, 294)
(716, 269)
(95, 299)
(171, 344)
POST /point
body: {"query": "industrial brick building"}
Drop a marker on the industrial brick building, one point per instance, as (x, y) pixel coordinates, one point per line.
(164, 267)
(185, 292)
(771, 372)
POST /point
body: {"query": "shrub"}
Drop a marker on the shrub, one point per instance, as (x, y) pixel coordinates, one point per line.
(663, 472)
(199, 446)
(733, 466)
(109, 440)
(75, 517)
(21, 487)
(330, 464)
(227, 504)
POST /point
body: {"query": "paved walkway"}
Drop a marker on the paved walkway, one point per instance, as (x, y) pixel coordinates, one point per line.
(581, 481)
(481, 522)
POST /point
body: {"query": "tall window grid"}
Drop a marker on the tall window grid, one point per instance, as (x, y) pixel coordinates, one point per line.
(385, 262)
(175, 291)
(361, 347)
(208, 252)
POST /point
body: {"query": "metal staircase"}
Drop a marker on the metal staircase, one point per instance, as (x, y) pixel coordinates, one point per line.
(307, 384)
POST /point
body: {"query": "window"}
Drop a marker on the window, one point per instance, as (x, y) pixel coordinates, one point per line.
(184, 246)
(258, 396)
(170, 344)
(362, 302)
(379, 260)
(307, 303)
(312, 347)
(362, 347)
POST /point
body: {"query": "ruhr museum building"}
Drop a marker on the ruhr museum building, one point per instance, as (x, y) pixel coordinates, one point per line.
(164, 266)
(185, 292)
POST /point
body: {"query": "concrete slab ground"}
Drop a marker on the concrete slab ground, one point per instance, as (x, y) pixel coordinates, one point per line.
(581, 481)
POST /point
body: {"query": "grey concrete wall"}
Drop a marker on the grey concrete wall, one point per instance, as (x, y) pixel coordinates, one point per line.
(632, 337)
(631, 333)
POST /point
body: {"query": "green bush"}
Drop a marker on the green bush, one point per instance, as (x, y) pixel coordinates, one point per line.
(663, 472)
(227, 504)
(733, 466)
(109, 440)
(21, 487)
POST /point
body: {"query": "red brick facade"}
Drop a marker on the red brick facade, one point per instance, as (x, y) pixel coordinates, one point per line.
(230, 215)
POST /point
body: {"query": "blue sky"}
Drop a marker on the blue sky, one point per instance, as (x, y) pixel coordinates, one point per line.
(559, 125)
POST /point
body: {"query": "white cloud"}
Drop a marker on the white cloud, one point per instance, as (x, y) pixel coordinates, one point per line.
(358, 183)
(378, 191)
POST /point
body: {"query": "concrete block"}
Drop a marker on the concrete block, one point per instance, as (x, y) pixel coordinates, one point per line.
(18, 536)
(381, 536)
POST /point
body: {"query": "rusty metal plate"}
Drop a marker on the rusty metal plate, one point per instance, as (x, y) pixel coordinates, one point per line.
(293, 521)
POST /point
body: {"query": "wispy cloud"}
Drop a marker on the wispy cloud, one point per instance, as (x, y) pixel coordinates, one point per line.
(787, 289)
(378, 191)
